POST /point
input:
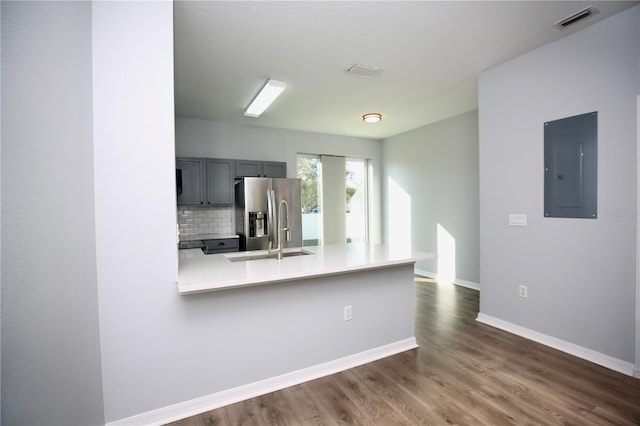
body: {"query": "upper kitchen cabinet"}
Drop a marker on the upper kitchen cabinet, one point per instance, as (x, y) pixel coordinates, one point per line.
(219, 182)
(204, 181)
(190, 179)
(250, 168)
(274, 169)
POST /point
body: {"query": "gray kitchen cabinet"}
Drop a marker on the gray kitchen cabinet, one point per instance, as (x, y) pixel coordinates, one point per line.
(204, 181)
(219, 182)
(220, 245)
(251, 168)
(190, 180)
(274, 169)
(209, 181)
(246, 168)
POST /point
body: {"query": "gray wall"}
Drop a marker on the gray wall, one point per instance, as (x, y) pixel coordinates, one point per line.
(580, 272)
(437, 166)
(50, 340)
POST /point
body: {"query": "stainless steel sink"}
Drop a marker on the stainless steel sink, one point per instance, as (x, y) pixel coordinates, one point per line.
(248, 257)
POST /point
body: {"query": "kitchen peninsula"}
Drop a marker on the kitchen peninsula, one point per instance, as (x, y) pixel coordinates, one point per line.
(199, 273)
(299, 318)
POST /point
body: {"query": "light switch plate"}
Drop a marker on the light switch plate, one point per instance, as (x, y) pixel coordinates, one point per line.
(517, 220)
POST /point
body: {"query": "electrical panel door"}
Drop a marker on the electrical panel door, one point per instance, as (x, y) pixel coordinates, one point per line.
(571, 167)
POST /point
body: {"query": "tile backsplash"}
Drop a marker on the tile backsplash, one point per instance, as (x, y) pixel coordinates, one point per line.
(198, 220)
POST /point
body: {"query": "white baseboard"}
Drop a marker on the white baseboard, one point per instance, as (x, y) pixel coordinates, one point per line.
(461, 283)
(561, 345)
(230, 396)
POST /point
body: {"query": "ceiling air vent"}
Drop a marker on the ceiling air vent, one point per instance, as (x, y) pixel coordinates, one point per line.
(365, 71)
(578, 16)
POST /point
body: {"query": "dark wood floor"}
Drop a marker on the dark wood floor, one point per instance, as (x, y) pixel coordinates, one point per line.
(464, 373)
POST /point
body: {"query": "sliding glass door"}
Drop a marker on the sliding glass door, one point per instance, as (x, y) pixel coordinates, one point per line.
(310, 174)
(345, 199)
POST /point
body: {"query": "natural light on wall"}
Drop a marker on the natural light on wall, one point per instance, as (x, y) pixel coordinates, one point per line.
(399, 216)
(446, 256)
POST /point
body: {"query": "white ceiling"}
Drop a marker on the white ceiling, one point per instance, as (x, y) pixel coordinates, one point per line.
(430, 51)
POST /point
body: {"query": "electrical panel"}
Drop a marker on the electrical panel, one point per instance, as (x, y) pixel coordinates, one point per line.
(571, 167)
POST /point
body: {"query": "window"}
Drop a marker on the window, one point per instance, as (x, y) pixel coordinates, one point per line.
(345, 196)
(310, 174)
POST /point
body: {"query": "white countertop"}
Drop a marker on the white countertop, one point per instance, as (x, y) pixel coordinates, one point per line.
(198, 272)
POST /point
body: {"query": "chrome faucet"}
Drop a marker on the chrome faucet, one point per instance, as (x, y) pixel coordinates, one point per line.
(286, 230)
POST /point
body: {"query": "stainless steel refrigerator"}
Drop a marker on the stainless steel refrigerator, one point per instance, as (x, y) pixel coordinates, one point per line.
(262, 206)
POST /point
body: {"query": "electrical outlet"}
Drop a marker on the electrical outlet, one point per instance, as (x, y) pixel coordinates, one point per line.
(523, 291)
(348, 314)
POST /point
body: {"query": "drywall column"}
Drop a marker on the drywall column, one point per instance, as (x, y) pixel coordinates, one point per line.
(135, 201)
(50, 336)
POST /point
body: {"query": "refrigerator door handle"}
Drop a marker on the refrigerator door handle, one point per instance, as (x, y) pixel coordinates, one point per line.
(271, 218)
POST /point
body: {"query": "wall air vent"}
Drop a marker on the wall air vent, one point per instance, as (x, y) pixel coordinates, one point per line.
(365, 71)
(578, 16)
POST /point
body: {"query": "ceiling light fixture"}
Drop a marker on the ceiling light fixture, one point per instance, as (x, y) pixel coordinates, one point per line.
(372, 117)
(271, 90)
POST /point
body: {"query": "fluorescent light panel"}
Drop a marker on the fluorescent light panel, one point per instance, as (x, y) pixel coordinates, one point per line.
(267, 95)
